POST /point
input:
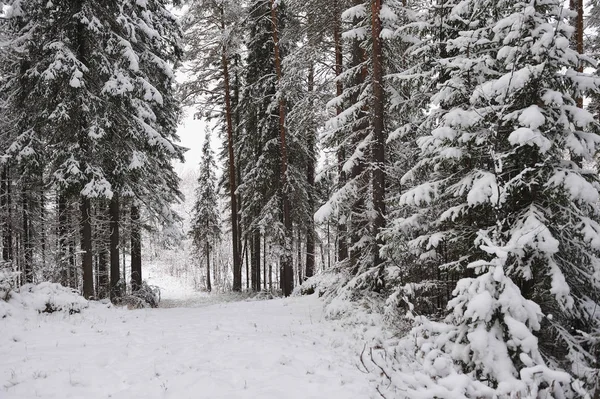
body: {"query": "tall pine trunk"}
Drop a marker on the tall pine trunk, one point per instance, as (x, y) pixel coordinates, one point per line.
(115, 271)
(309, 270)
(26, 236)
(72, 270)
(102, 249)
(264, 261)
(208, 285)
(63, 247)
(342, 249)
(287, 269)
(247, 263)
(359, 168)
(42, 229)
(378, 146)
(255, 260)
(5, 209)
(136, 249)
(102, 286)
(84, 201)
(577, 44)
(86, 247)
(577, 6)
(235, 237)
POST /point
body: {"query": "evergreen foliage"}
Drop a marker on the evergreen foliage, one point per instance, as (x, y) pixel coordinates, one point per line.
(91, 89)
(206, 220)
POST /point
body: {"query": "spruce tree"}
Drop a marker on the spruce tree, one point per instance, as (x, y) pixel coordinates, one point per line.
(206, 220)
(101, 117)
(508, 213)
(359, 131)
(212, 42)
(260, 142)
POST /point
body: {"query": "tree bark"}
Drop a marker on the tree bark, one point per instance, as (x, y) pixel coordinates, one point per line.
(114, 210)
(255, 261)
(26, 236)
(5, 207)
(577, 43)
(342, 252)
(287, 268)
(103, 285)
(264, 262)
(102, 249)
(62, 240)
(378, 146)
(72, 270)
(86, 247)
(42, 229)
(136, 249)
(577, 6)
(236, 240)
(84, 201)
(208, 285)
(310, 180)
(358, 219)
(299, 268)
(247, 264)
(270, 277)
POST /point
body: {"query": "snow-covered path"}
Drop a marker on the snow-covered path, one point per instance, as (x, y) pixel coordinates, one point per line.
(279, 348)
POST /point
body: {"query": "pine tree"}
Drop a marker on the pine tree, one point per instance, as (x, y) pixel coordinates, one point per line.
(212, 32)
(206, 221)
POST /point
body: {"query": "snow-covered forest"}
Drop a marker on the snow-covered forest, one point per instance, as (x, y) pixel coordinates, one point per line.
(420, 177)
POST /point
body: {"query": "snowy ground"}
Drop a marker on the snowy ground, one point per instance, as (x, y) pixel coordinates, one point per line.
(279, 348)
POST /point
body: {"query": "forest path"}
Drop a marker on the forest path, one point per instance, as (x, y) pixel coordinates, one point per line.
(280, 348)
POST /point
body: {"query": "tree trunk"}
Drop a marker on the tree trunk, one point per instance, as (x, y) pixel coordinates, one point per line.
(208, 286)
(102, 287)
(247, 264)
(264, 262)
(378, 146)
(342, 252)
(114, 210)
(358, 211)
(299, 268)
(136, 249)
(84, 201)
(270, 277)
(102, 258)
(86, 248)
(26, 244)
(310, 179)
(310, 254)
(71, 238)
(42, 230)
(577, 6)
(255, 260)
(216, 276)
(236, 240)
(5, 208)
(287, 268)
(63, 249)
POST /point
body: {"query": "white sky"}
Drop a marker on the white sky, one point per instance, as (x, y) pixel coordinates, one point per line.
(191, 132)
